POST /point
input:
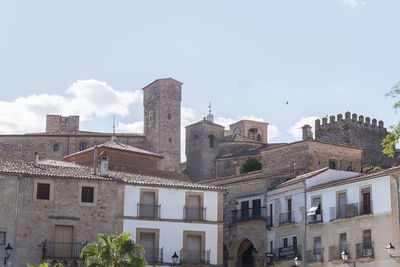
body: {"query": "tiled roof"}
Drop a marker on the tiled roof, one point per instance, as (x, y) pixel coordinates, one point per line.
(61, 169)
(115, 145)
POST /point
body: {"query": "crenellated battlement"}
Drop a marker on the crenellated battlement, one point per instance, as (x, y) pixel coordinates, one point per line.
(349, 118)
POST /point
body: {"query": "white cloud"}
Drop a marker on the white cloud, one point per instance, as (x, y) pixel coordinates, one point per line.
(224, 122)
(86, 98)
(354, 3)
(273, 132)
(134, 127)
(295, 129)
(188, 116)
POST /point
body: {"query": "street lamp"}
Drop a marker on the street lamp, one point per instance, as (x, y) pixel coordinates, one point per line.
(175, 258)
(345, 258)
(8, 253)
(297, 261)
(390, 250)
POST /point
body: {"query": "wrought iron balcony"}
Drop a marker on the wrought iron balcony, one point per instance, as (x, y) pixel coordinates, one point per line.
(154, 255)
(350, 210)
(195, 256)
(317, 218)
(248, 214)
(148, 211)
(315, 255)
(334, 252)
(286, 218)
(365, 250)
(194, 213)
(288, 253)
(58, 250)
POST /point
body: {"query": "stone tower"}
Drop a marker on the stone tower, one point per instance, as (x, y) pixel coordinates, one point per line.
(358, 132)
(202, 139)
(162, 120)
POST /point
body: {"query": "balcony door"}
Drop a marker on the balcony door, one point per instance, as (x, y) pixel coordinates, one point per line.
(148, 204)
(148, 241)
(342, 202)
(366, 201)
(256, 208)
(244, 207)
(194, 253)
(193, 210)
(63, 241)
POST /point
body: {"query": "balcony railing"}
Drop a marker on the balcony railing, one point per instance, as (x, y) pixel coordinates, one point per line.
(154, 255)
(315, 255)
(194, 213)
(350, 210)
(317, 218)
(269, 222)
(286, 218)
(195, 256)
(288, 253)
(148, 211)
(58, 250)
(364, 250)
(248, 214)
(334, 252)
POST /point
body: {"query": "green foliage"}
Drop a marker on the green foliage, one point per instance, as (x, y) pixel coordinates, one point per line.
(392, 138)
(45, 264)
(113, 251)
(251, 165)
(371, 169)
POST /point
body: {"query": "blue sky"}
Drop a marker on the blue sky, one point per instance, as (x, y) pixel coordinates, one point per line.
(247, 57)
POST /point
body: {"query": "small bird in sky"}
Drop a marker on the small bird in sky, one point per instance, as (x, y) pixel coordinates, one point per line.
(287, 102)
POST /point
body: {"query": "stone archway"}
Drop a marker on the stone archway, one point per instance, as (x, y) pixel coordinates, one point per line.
(245, 254)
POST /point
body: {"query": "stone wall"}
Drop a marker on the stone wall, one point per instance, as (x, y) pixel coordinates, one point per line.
(37, 218)
(60, 124)
(22, 147)
(353, 130)
(226, 166)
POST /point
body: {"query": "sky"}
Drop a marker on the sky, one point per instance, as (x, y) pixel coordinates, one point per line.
(248, 58)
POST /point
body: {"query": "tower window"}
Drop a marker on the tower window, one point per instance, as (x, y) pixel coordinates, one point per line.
(169, 116)
(169, 140)
(211, 139)
(82, 146)
(55, 147)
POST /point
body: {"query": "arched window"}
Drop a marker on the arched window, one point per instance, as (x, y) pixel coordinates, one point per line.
(259, 137)
(211, 138)
(169, 116)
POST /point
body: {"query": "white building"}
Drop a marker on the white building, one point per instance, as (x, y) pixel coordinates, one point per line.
(170, 216)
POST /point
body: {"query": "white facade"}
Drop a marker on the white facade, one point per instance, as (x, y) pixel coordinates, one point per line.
(171, 224)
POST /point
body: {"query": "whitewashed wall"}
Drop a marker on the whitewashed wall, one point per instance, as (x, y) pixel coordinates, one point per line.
(172, 202)
(380, 195)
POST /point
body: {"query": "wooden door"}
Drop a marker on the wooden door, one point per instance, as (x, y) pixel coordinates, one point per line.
(63, 241)
(193, 210)
(148, 205)
(342, 205)
(194, 252)
(244, 206)
(148, 241)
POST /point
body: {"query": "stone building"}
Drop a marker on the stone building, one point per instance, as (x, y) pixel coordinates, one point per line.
(358, 132)
(162, 116)
(245, 203)
(50, 209)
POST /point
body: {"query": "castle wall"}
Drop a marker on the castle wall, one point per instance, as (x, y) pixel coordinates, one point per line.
(60, 124)
(225, 167)
(355, 131)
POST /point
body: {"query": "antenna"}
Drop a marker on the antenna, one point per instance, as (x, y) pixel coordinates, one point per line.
(113, 124)
(209, 108)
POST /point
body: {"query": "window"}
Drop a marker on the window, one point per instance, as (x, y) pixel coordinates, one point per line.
(211, 139)
(82, 146)
(332, 164)
(342, 242)
(148, 207)
(317, 248)
(342, 204)
(366, 201)
(194, 209)
(271, 213)
(2, 238)
(169, 140)
(285, 242)
(169, 116)
(244, 210)
(314, 212)
(194, 247)
(294, 241)
(55, 147)
(149, 239)
(289, 209)
(256, 208)
(87, 194)
(367, 240)
(43, 191)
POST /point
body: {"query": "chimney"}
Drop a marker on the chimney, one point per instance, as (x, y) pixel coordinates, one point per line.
(103, 164)
(236, 165)
(36, 160)
(307, 133)
(95, 160)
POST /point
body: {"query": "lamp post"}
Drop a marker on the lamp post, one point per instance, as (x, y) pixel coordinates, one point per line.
(175, 259)
(8, 253)
(390, 250)
(345, 258)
